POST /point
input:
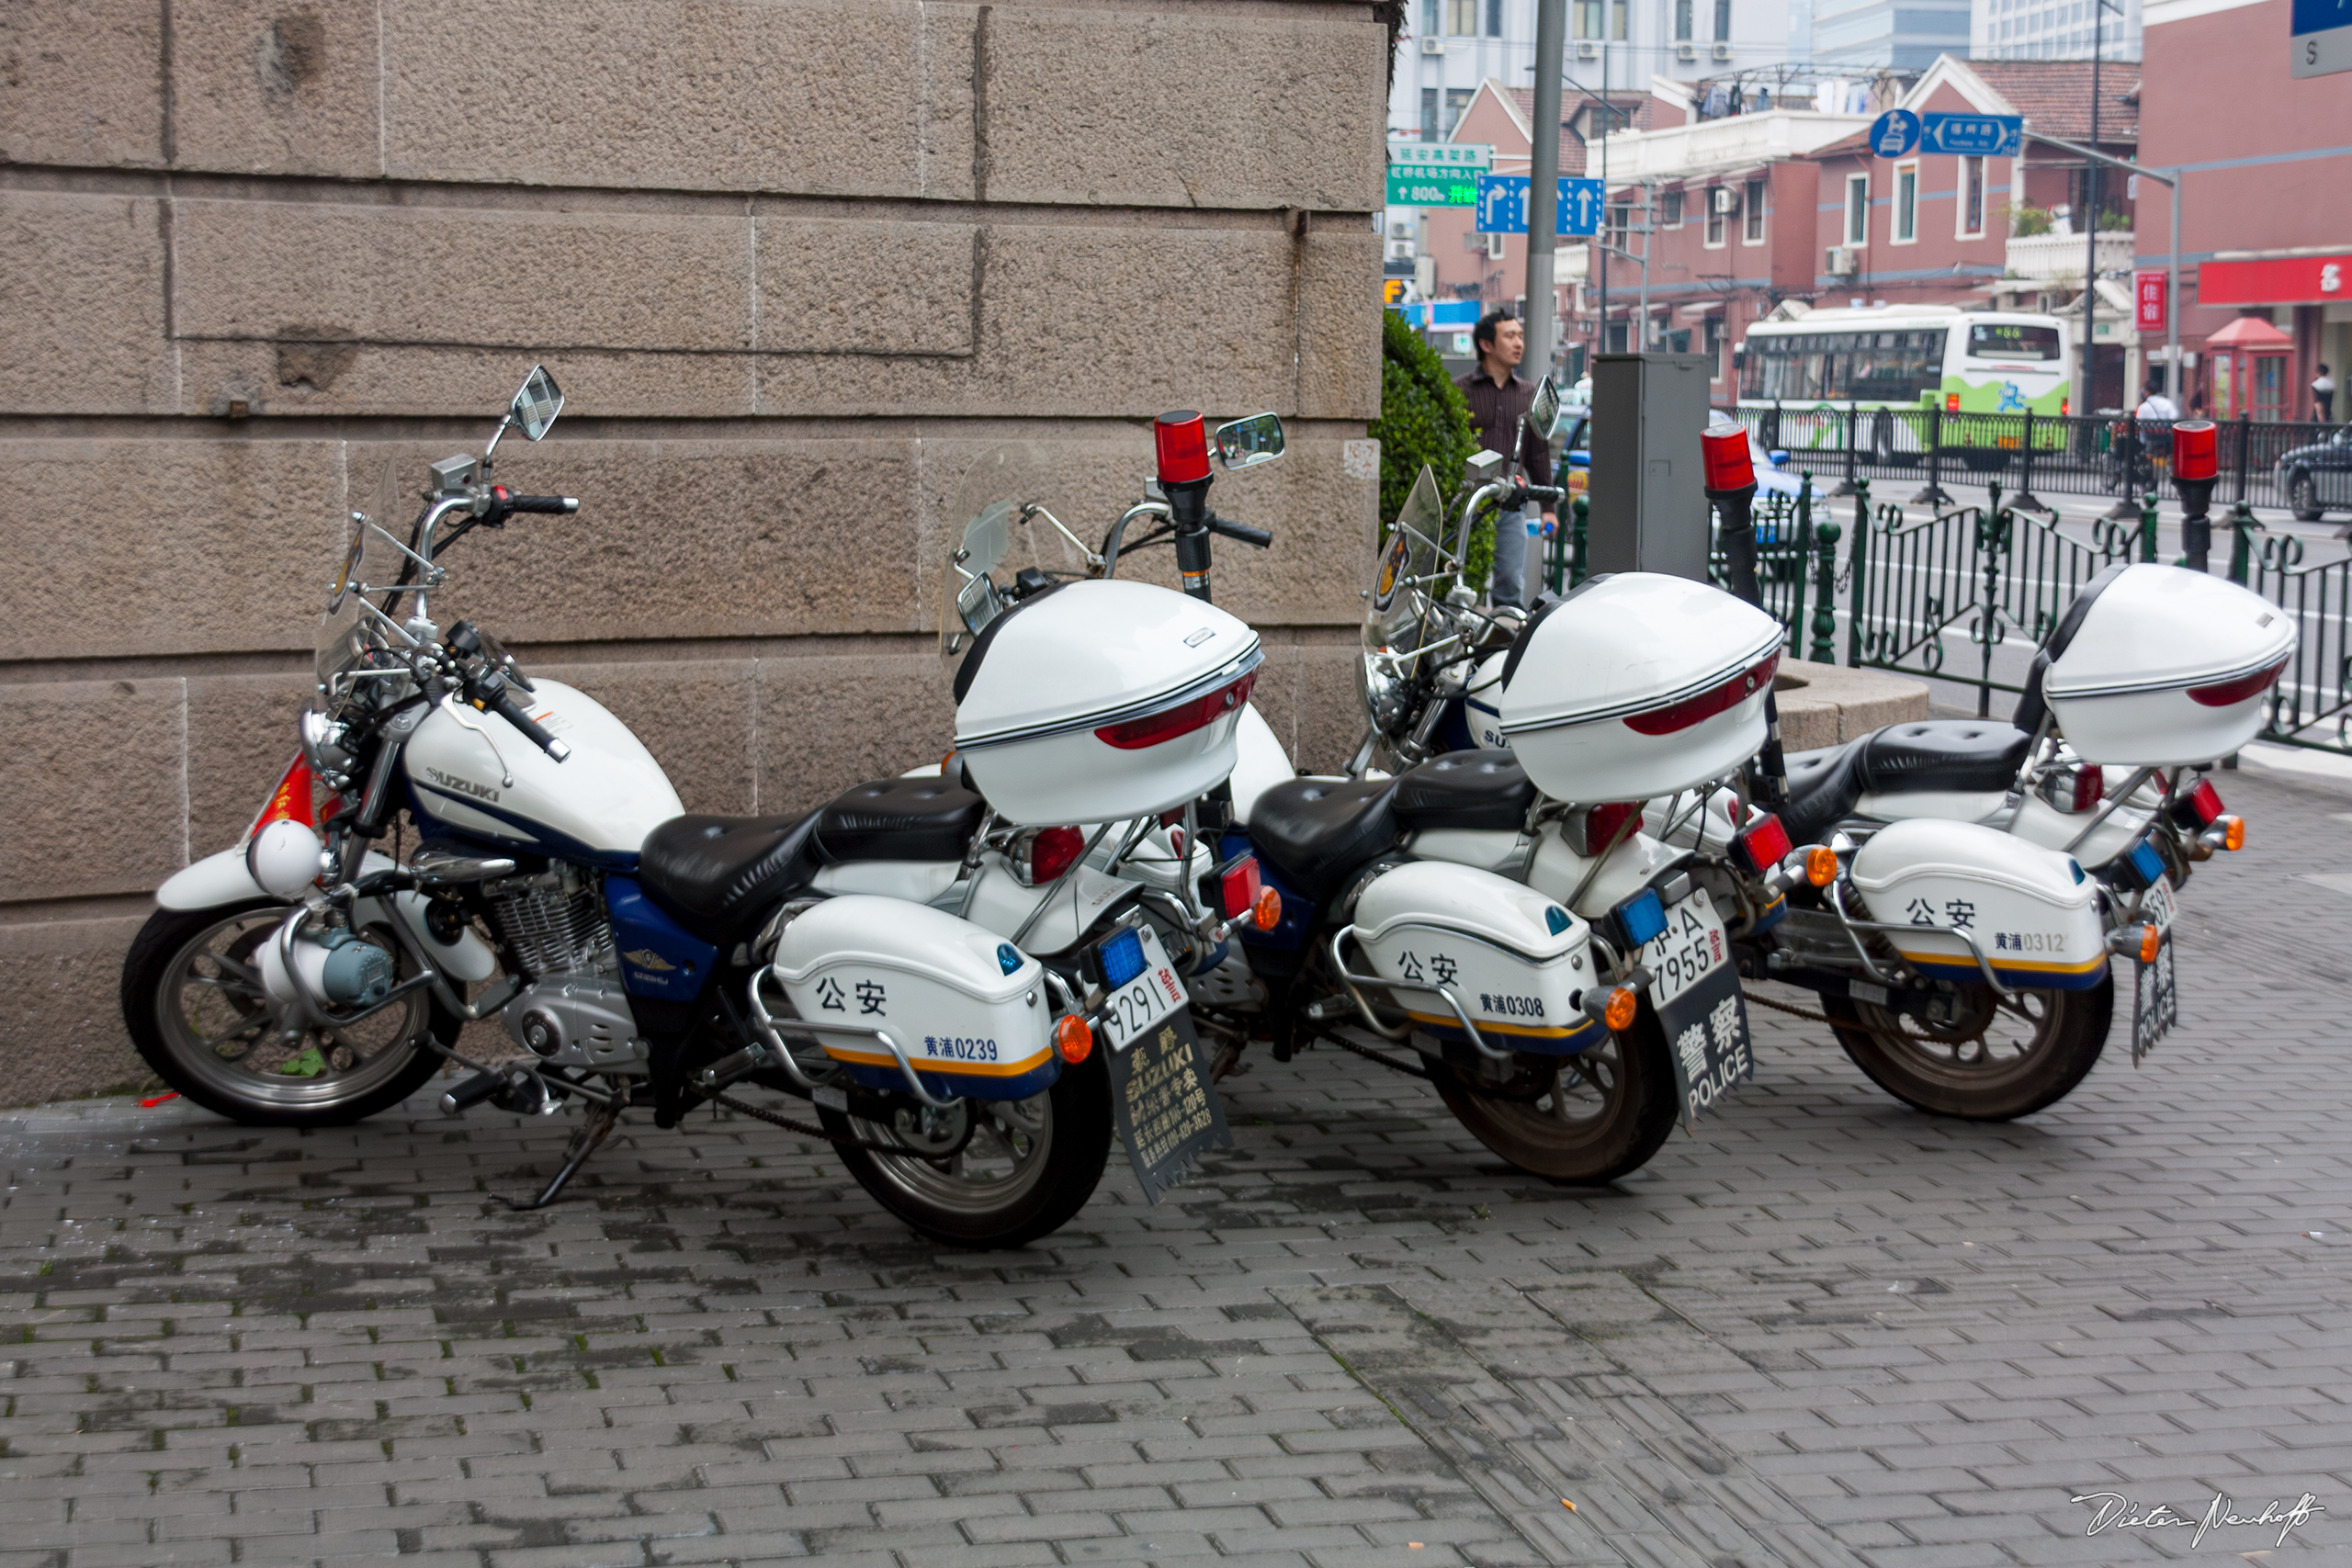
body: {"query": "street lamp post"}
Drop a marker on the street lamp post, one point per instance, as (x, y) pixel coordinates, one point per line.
(1543, 183)
(2090, 215)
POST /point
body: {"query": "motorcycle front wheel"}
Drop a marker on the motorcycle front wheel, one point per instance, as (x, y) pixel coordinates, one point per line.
(1997, 1059)
(193, 1001)
(1583, 1120)
(1007, 1172)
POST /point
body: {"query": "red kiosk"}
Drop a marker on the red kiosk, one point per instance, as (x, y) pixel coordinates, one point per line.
(2246, 371)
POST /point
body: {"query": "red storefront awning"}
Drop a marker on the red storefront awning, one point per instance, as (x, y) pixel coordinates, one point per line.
(2277, 280)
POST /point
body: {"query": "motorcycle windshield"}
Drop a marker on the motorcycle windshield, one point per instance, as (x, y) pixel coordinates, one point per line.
(1410, 567)
(351, 633)
(985, 543)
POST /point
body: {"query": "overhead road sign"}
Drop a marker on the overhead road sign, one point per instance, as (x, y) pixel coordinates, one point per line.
(1416, 186)
(1972, 135)
(1451, 155)
(2321, 36)
(1502, 206)
(1894, 133)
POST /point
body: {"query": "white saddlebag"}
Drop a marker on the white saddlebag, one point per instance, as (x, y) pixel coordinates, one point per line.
(1638, 685)
(1100, 701)
(2166, 668)
(2034, 913)
(1516, 962)
(969, 1010)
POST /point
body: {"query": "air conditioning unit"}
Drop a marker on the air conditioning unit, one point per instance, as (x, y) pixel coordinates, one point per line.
(1686, 51)
(1588, 51)
(1723, 51)
(1841, 262)
(1432, 46)
(1495, 246)
(1723, 199)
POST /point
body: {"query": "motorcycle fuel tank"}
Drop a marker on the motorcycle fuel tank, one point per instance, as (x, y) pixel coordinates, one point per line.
(478, 775)
(2166, 667)
(1101, 700)
(1638, 684)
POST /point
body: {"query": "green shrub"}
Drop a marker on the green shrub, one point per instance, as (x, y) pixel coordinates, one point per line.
(1423, 420)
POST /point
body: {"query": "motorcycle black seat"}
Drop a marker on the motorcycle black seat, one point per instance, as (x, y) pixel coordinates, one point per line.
(1958, 754)
(1823, 787)
(1943, 753)
(719, 876)
(926, 819)
(1464, 789)
(1317, 830)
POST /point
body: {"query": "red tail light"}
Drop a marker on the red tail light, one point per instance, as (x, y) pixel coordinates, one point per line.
(1238, 888)
(1707, 703)
(1601, 824)
(2090, 787)
(1053, 851)
(1762, 845)
(2201, 806)
(1182, 719)
(1730, 464)
(1183, 438)
(2222, 694)
(2196, 450)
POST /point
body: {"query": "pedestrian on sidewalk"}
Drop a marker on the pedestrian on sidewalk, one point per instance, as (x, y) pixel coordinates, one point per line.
(2323, 397)
(1498, 398)
(2157, 414)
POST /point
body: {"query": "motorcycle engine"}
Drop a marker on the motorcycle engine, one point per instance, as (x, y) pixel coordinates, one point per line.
(574, 1012)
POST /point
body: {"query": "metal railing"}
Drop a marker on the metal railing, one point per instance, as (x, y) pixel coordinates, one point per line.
(2305, 467)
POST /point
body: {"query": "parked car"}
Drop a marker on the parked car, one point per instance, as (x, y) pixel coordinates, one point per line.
(2317, 479)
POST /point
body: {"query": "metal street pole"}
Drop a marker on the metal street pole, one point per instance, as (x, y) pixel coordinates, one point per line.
(2177, 182)
(1608, 120)
(1544, 182)
(2090, 224)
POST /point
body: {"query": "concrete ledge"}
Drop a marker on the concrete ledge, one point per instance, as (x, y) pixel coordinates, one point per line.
(1828, 704)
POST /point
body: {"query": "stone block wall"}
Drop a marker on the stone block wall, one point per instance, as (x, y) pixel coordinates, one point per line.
(797, 264)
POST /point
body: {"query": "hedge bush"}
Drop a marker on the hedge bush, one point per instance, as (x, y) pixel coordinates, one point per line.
(1423, 420)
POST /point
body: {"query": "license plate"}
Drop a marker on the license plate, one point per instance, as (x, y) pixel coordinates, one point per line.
(2156, 905)
(2156, 988)
(1130, 1011)
(1692, 947)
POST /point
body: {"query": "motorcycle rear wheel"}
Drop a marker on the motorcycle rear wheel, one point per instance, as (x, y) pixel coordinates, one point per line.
(1018, 1170)
(2000, 1060)
(1603, 1114)
(193, 1003)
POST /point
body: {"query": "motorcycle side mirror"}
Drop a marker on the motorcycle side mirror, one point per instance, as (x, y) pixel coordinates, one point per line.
(1246, 442)
(1544, 413)
(532, 410)
(537, 404)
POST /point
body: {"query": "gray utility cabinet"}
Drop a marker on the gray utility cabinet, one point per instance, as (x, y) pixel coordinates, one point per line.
(1649, 503)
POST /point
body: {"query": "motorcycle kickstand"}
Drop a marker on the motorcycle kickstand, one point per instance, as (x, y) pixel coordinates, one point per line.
(601, 1120)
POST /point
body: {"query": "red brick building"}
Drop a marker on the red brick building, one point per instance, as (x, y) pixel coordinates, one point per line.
(2266, 232)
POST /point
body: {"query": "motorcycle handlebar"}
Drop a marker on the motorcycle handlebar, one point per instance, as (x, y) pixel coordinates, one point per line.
(560, 504)
(504, 705)
(1260, 538)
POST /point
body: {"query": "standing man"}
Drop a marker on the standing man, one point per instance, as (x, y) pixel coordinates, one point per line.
(1498, 399)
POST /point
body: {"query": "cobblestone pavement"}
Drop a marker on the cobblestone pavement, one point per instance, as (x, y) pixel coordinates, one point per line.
(1825, 1331)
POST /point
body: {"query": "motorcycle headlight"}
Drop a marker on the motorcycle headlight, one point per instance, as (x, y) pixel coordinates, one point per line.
(323, 749)
(1383, 693)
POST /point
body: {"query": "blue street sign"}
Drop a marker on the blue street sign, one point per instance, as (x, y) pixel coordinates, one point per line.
(2320, 32)
(1502, 206)
(1972, 135)
(1894, 133)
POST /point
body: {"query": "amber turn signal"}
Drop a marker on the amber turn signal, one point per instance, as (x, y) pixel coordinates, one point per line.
(1074, 1039)
(2152, 941)
(1268, 910)
(1821, 866)
(2232, 832)
(1624, 1002)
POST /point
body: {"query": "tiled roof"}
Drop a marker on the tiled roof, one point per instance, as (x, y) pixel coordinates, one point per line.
(2054, 96)
(1572, 147)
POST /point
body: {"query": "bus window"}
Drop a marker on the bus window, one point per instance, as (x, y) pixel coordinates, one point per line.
(2011, 340)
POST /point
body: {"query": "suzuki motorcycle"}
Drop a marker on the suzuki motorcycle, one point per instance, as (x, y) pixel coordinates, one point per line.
(866, 957)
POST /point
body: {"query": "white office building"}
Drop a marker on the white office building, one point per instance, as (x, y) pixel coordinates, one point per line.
(2051, 29)
(1453, 45)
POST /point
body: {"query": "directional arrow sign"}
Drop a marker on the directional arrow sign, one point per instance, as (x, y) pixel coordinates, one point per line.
(1414, 185)
(1894, 133)
(1971, 135)
(2320, 34)
(1502, 206)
